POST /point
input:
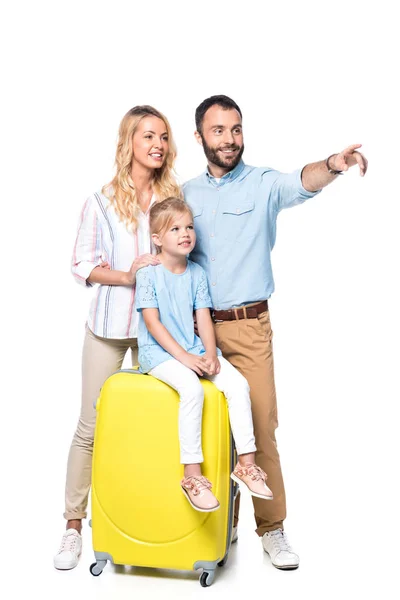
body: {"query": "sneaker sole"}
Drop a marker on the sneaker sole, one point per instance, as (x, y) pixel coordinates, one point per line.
(67, 566)
(238, 481)
(284, 567)
(204, 510)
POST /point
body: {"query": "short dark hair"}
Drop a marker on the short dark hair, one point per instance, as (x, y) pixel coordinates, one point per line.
(223, 101)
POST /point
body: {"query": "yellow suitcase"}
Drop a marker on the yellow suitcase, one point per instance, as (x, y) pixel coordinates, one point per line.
(140, 516)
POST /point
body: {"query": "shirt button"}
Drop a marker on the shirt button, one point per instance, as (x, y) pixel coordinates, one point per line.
(213, 283)
(211, 235)
(213, 258)
(213, 212)
(237, 210)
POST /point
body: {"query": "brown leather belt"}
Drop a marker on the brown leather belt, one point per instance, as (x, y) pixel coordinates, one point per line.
(241, 312)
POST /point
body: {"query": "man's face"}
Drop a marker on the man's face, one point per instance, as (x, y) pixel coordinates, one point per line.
(222, 137)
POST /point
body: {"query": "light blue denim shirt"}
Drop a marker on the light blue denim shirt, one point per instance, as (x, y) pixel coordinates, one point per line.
(235, 223)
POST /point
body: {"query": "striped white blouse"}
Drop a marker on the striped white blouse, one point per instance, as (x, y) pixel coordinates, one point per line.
(103, 237)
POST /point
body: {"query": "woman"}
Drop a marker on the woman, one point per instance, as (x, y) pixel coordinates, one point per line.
(113, 233)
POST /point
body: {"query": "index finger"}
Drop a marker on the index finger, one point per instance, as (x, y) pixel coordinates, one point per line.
(351, 148)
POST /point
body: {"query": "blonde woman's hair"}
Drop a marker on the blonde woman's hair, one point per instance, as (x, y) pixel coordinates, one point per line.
(162, 215)
(121, 190)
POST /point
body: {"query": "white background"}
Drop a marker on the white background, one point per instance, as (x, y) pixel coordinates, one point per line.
(311, 78)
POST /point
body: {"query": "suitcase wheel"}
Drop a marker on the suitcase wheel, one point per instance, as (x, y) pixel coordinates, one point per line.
(95, 569)
(206, 578)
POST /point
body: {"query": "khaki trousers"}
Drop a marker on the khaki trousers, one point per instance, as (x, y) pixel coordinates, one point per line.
(247, 344)
(101, 357)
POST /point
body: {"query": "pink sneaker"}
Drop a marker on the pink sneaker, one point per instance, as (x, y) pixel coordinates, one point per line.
(254, 479)
(198, 492)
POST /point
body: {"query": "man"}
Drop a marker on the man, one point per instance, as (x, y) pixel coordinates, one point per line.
(235, 207)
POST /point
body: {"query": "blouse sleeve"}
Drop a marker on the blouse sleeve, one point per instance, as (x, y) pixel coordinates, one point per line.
(146, 296)
(202, 298)
(87, 252)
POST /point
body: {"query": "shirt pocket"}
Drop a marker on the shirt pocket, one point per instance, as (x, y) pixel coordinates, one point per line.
(238, 219)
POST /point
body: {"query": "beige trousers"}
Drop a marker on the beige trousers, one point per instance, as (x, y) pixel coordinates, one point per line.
(247, 344)
(101, 357)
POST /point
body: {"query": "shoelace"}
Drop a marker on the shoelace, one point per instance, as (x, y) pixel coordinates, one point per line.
(280, 540)
(68, 543)
(255, 472)
(196, 484)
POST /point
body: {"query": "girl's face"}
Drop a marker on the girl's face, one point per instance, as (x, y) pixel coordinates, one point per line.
(180, 238)
(150, 143)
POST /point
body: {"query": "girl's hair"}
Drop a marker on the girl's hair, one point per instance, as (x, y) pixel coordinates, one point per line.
(162, 214)
(121, 190)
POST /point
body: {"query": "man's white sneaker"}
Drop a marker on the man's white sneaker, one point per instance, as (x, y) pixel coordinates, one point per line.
(276, 544)
(234, 537)
(70, 550)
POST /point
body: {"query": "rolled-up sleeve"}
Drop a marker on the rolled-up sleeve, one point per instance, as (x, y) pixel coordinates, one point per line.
(87, 252)
(287, 191)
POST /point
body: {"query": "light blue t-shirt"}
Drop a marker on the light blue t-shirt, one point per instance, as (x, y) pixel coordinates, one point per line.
(175, 296)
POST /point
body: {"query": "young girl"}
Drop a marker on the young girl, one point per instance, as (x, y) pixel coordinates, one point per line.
(166, 296)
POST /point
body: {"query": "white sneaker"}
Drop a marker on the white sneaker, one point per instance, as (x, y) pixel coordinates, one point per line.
(234, 537)
(70, 550)
(276, 544)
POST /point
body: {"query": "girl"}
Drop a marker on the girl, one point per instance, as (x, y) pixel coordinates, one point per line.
(113, 228)
(166, 296)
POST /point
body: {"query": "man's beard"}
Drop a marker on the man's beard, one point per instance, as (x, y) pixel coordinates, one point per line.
(213, 156)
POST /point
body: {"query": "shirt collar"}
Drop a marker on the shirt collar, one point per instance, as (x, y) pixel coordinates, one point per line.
(230, 176)
(152, 201)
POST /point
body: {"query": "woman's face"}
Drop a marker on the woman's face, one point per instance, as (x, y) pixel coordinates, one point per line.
(150, 143)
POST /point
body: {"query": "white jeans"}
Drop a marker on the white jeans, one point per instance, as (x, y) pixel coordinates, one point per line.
(186, 382)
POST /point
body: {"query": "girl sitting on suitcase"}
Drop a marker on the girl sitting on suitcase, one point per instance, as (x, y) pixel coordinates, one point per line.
(166, 296)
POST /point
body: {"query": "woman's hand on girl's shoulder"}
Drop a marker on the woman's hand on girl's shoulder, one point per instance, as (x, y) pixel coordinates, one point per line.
(144, 260)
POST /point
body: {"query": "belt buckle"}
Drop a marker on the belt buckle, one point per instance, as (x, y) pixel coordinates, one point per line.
(213, 317)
